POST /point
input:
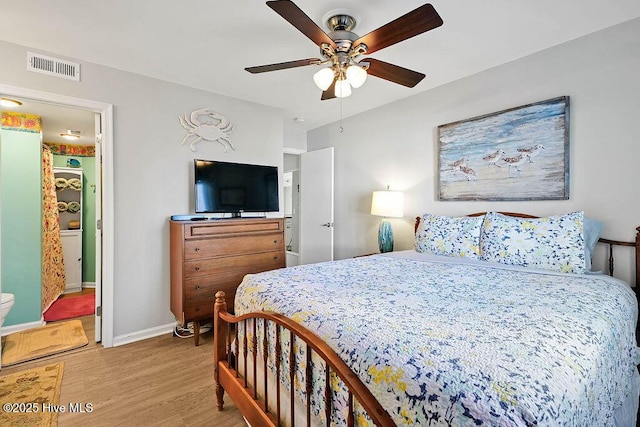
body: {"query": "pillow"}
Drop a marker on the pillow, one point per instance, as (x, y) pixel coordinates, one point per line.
(552, 243)
(449, 236)
(592, 230)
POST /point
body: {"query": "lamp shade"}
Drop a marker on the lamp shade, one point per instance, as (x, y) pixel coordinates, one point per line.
(343, 89)
(323, 78)
(356, 75)
(387, 203)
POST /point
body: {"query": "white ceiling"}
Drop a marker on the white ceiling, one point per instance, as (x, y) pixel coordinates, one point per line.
(57, 120)
(207, 44)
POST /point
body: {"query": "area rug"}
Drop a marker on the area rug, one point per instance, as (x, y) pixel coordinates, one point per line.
(68, 308)
(43, 341)
(24, 394)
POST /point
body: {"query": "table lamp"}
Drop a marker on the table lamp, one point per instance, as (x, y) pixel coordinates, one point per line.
(387, 204)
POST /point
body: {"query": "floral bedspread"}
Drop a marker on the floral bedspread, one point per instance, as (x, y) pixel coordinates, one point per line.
(447, 343)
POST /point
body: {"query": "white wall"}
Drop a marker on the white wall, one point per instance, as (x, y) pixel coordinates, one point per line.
(295, 138)
(396, 144)
(152, 171)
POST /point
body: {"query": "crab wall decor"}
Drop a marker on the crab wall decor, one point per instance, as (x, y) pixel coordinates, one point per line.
(208, 125)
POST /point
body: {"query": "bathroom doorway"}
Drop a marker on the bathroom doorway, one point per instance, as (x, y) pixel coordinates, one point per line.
(101, 132)
(48, 220)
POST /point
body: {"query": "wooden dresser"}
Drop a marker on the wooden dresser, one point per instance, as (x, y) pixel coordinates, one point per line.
(214, 255)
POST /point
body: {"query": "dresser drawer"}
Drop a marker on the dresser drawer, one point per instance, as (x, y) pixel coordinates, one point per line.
(226, 246)
(207, 286)
(206, 266)
(199, 297)
(222, 227)
(198, 308)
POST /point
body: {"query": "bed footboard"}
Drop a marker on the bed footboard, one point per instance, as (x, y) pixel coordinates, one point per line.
(267, 409)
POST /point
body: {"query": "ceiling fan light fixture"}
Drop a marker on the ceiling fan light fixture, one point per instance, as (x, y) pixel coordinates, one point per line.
(323, 78)
(356, 75)
(343, 88)
(340, 46)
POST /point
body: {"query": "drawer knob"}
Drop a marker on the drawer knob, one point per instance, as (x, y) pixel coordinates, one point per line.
(275, 241)
(197, 249)
(275, 257)
(197, 268)
(197, 286)
(197, 308)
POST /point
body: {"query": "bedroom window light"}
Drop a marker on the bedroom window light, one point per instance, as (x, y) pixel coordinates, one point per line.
(387, 204)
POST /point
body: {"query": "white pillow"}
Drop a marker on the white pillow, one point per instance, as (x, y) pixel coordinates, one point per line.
(449, 236)
(551, 243)
(592, 230)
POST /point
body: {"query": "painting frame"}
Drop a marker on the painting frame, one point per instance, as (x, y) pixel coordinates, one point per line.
(516, 154)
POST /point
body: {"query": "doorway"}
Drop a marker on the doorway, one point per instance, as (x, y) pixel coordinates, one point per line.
(104, 251)
(292, 209)
(309, 194)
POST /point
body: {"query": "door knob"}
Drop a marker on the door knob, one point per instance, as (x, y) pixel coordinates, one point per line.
(327, 224)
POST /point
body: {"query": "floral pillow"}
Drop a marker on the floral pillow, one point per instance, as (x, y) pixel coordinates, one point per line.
(552, 243)
(449, 236)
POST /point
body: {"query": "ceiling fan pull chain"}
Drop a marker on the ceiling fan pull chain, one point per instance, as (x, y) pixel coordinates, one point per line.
(340, 129)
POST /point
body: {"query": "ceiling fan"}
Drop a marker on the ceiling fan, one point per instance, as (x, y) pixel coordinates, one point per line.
(342, 49)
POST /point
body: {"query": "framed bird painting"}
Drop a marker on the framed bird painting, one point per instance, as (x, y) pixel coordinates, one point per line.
(521, 153)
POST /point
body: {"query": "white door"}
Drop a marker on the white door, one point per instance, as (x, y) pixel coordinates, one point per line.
(98, 183)
(316, 206)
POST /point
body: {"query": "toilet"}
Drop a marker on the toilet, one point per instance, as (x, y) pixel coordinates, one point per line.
(7, 303)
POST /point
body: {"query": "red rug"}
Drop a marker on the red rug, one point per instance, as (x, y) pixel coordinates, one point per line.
(70, 307)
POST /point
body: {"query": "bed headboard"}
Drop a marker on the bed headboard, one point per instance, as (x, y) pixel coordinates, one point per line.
(609, 242)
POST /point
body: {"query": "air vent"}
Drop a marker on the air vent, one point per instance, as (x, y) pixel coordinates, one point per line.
(53, 66)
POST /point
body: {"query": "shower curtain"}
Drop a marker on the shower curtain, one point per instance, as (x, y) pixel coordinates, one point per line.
(53, 278)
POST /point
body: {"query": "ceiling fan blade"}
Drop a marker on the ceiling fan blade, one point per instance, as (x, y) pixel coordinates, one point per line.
(393, 73)
(330, 93)
(296, 17)
(283, 65)
(416, 22)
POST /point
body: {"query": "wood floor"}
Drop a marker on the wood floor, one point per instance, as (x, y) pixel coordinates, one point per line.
(161, 381)
(84, 291)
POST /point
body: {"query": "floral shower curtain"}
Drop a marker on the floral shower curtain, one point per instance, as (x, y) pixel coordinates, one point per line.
(53, 278)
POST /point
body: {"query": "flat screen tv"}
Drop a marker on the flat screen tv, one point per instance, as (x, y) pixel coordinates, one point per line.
(224, 187)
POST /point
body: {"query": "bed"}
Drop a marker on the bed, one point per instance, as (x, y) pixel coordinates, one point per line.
(480, 324)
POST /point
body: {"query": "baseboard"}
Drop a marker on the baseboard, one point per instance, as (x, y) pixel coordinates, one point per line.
(88, 285)
(72, 290)
(143, 334)
(6, 330)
